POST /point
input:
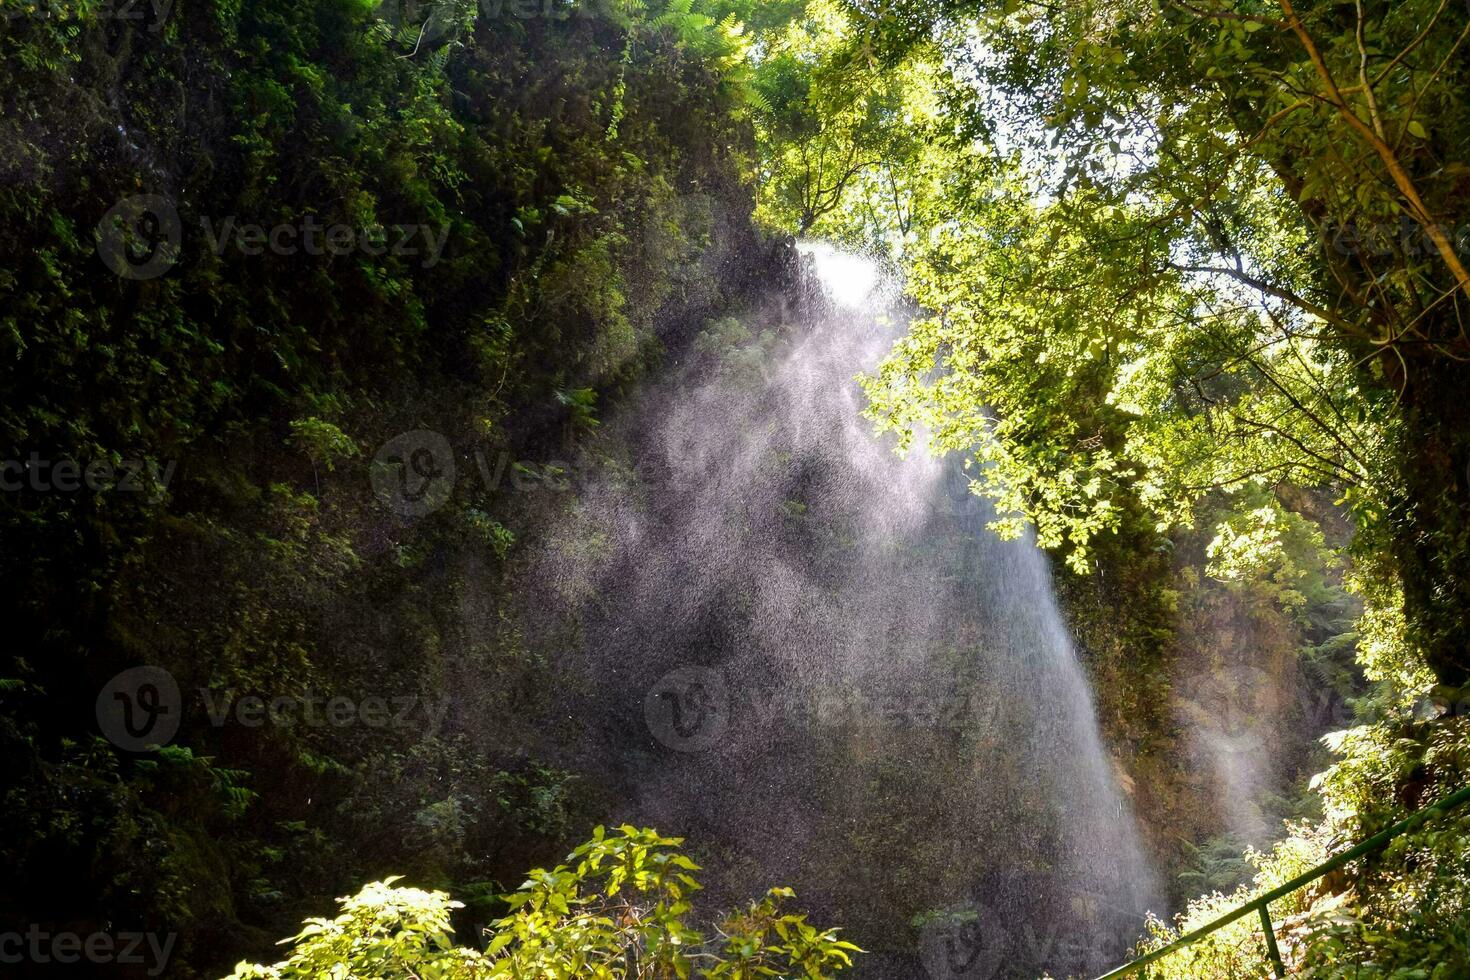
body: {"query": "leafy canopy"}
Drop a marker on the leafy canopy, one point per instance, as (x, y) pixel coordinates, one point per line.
(1173, 250)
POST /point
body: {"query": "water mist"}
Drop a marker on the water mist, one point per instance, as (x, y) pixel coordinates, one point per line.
(810, 657)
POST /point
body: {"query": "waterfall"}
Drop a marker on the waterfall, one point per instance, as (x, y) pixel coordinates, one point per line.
(810, 657)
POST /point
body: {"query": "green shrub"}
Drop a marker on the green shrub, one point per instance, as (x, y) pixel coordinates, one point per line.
(619, 908)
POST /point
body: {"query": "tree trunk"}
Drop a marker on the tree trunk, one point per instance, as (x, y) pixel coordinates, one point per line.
(1431, 525)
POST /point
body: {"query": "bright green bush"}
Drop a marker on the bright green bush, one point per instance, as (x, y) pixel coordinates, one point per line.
(619, 908)
(1239, 950)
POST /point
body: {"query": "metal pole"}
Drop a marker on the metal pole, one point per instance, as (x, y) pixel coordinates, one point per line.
(1271, 950)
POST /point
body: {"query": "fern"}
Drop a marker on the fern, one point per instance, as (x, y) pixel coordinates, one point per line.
(756, 99)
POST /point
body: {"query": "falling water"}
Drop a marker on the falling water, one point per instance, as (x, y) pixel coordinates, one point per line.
(808, 656)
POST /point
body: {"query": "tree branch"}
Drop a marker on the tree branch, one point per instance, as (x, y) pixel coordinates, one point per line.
(1401, 178)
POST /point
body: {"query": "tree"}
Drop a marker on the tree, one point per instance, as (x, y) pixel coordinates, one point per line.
(828, 119)
(1221, 256)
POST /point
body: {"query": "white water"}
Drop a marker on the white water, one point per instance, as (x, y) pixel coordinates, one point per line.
(811, 657)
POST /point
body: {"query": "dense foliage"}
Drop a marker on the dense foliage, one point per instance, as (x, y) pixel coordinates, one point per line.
(570, 190)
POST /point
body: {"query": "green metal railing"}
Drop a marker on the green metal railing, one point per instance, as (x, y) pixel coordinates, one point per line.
(1262, 904)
